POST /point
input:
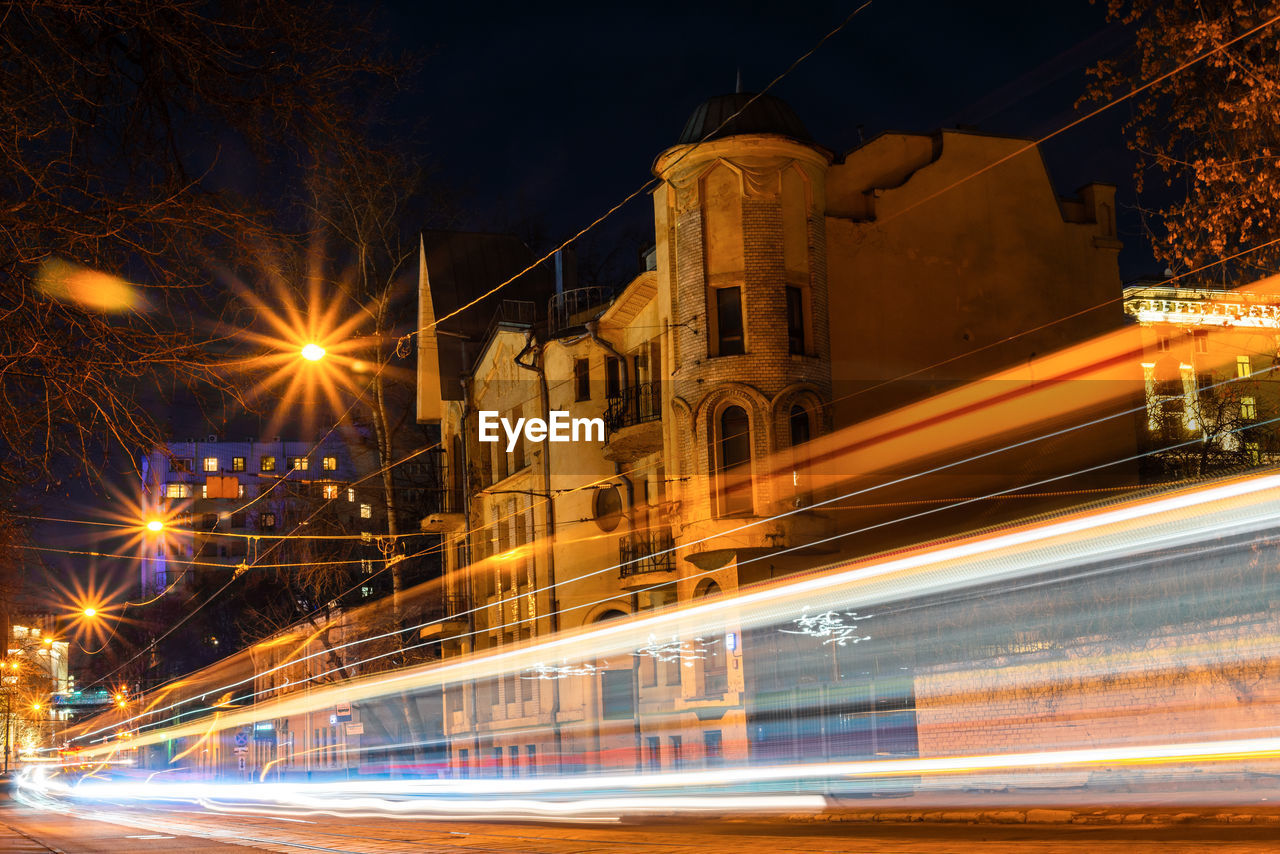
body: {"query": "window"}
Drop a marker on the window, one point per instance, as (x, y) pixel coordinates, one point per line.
(211, 464)
(677, 751)
(1254, 450)
(366, 511)
(237, 520)
(299, 463)
(1243, 368)
(180, 465)
(464, 762)
(653, 753)
(237, 463)
(1201, 339)
(177, 490)
(329, 464)
(735, 463)
(267, 521)
(795, 320)
(330, 490)
(729, 340)
(531, 758)
(1248, 408)
(351, 495)
(517, 453)
(713, 747)
(801, 431)
(615, 694)
(582, 379)
(1162, 343)
(267, 464)
(513, 759)
(204, 490)
(607, 507)
(239, 490)
(366, 591)
(612, 377)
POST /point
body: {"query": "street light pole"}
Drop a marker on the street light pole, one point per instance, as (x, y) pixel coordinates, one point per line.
(8, 713)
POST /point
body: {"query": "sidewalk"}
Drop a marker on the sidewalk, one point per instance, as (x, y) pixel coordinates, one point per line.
(1090, 816)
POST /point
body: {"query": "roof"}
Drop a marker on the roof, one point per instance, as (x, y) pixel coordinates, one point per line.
(764, 114)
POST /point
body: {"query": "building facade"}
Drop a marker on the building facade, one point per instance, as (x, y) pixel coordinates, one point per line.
(797, 319)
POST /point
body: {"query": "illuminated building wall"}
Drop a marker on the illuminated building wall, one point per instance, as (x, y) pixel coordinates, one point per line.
(791, 294)
(1208, 364)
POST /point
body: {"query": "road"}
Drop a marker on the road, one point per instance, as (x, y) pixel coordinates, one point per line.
(117, 830)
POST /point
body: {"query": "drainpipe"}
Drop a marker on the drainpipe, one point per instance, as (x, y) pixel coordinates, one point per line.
(593, 330)
(471, 599)
(530, 344)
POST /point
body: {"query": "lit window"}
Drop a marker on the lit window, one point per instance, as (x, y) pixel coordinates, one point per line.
(351, 495)
(366, 511)
(267, 464)
(237, 463)
(211, 464)
(177, 490)
(1254, 450)
(366, 591)
(329, 463)
(1248, 408)
(267, 521)
(240, 490)
(331, 490)
(204, 490)
(1243, 368)
(299, 463)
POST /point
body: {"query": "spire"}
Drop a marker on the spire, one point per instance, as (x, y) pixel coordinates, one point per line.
(739, 89)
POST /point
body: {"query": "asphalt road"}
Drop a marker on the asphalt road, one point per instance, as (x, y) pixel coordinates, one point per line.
(116, 829)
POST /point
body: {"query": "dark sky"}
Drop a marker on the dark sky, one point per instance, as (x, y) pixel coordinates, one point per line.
(556, 113)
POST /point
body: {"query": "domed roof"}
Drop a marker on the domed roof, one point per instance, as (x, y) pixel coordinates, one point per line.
(766, 114)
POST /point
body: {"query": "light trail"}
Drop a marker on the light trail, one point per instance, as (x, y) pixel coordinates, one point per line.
(1239, 505)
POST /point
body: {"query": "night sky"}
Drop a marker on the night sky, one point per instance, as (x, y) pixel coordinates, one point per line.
(540, 120)
(554, 115)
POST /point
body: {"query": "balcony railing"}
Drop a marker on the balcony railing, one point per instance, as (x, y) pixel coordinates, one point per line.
(651, 551)
(634, 405)
(574, 308)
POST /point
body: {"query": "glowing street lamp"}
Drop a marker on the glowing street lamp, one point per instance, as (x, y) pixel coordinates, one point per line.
(313, 352)
(90, 612)
(155, 526)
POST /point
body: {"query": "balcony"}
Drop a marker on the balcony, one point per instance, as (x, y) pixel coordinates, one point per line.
(634, 421)
(646, 557)
(447, 616)
(572, 309)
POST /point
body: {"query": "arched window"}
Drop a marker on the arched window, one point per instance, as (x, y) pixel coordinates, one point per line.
(801, 425)
(734, 463)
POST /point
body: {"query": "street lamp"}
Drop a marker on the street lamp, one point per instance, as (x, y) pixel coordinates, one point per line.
(90, 612)
(155, 526)
(313, 352)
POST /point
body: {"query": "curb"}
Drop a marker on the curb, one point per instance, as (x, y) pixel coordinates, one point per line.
(1100, 817)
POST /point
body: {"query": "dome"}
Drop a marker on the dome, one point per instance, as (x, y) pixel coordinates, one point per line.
(766, 114)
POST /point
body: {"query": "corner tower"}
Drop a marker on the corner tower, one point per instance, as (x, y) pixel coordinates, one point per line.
(740, 220)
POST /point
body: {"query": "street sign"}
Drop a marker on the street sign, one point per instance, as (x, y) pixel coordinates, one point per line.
(242, 738)
(355, 728)
(343, 712)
